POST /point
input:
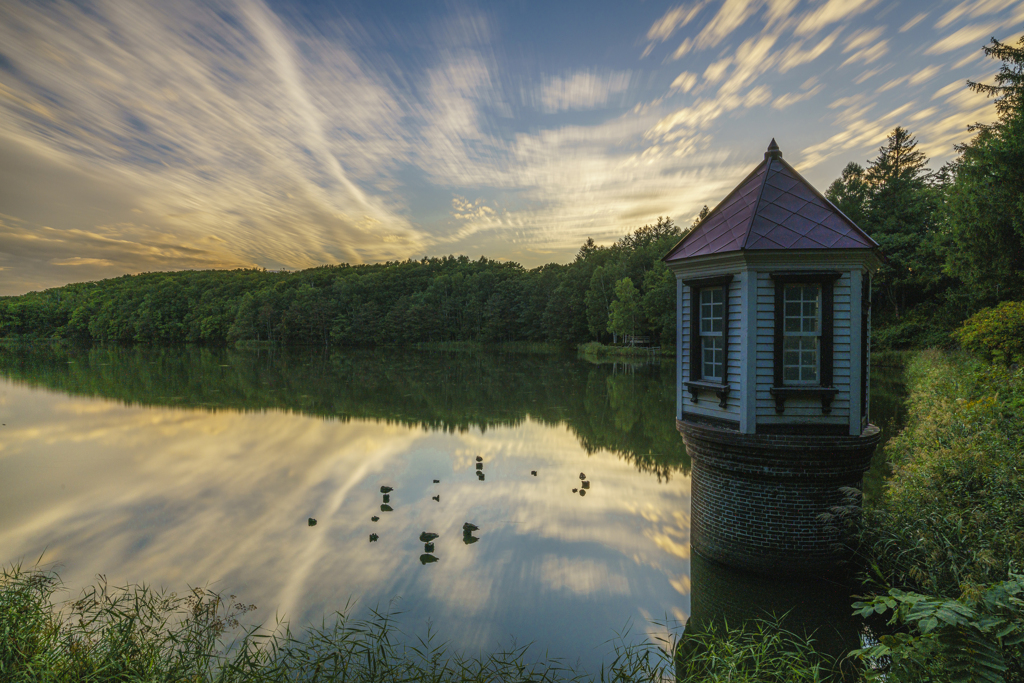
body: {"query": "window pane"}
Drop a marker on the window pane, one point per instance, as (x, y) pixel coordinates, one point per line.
(711, 310)
(712, 357)
(800, 359)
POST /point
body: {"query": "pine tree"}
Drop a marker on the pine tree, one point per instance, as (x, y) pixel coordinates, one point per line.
(986, 201)
(901, 216)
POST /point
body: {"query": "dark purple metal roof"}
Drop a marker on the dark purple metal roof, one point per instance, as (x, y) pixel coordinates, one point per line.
(772, 208)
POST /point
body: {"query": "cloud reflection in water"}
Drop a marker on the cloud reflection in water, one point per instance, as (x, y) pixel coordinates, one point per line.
(185, 496)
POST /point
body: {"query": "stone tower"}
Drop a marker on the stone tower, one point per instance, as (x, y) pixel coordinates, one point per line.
(772, 365)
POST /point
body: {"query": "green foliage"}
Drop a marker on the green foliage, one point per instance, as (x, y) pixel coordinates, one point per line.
(976, 637)
(986, 203)
(952, 517)
(849, 192)
(625, 316)
(995, 333)
(758, 652)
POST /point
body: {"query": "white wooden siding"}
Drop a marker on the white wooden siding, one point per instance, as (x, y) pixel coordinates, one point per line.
(708, 401)
(799, 410)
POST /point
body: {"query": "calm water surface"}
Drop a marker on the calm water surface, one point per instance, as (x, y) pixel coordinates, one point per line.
(181, 467)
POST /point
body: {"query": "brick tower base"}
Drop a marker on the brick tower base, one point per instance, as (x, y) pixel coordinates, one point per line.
(756, 498)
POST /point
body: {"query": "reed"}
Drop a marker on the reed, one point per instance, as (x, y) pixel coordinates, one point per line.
(135, 633)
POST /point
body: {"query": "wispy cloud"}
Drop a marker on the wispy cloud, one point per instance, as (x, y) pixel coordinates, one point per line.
(582, 90)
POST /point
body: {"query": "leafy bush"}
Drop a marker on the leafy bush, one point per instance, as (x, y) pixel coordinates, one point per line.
(975, 638)
(952, 517)
(995, 333)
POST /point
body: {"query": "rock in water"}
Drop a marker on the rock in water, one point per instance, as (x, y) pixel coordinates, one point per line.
(582, 476)
(479, 458)
(427, 559)
(373, 538)
(575, 490)
(312, 522)
(374, 518)
(582, 492)
(387, 498)
(586, 484)
(437, 498)
(386, 508)
(428, 547)
(437, 481)
(533, 472)
(428, 536)
(467, 527)
(386, 489)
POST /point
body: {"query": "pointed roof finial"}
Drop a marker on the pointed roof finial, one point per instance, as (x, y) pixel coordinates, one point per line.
(773, 151)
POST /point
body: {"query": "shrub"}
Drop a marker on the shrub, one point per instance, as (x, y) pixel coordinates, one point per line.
(995, 333)
(952, 517)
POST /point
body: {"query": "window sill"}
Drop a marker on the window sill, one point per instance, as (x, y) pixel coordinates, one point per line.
(782, 393)
(696, 386)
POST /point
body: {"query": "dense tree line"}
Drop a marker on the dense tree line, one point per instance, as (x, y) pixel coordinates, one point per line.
(431, 300)
(953, 237)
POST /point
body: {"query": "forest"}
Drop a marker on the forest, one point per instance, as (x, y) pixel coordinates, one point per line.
(953, 238)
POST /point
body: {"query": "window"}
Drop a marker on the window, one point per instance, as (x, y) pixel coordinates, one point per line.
(801, 329)
(712, 347)
(709, 337)
(803, 337)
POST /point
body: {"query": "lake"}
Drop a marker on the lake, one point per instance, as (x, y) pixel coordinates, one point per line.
(201, 467)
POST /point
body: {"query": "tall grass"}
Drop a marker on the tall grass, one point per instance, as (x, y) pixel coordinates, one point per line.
(134, 634)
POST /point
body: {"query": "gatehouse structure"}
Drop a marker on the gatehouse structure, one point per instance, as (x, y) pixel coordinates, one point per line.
(772, 365)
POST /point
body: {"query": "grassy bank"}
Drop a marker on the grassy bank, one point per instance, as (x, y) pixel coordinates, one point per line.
(952, 515)
(598, 350)
(944, 544)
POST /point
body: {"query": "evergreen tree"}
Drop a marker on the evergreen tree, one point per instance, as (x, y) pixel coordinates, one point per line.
(849, 192)
(985, 210)
(901, 217)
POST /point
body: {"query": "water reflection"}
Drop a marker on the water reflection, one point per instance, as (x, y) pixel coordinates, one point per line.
(164, 487)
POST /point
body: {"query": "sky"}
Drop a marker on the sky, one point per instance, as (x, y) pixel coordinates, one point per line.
(151, 136)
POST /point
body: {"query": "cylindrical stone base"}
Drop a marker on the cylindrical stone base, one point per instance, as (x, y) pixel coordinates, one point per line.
(757, 499)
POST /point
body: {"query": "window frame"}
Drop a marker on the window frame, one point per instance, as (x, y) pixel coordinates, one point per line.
(781, 390)
(710, 334)
(697, 382)
(815, 334)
